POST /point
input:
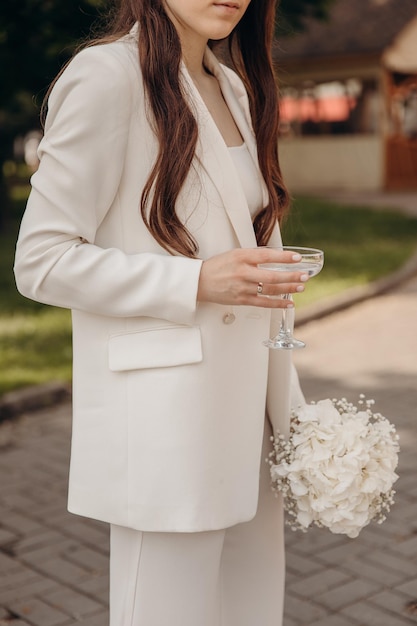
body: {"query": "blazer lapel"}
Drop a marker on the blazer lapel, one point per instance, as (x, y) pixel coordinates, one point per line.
(213, 154)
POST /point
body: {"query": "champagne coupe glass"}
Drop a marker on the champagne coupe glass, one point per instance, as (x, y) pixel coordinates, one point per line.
(311, 263)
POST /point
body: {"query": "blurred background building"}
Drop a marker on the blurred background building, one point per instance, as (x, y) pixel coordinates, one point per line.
(349, 98)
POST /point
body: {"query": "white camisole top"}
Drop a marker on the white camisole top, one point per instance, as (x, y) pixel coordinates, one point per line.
(249, 176)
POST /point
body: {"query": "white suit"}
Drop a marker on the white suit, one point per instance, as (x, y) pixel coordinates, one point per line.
(169, 398)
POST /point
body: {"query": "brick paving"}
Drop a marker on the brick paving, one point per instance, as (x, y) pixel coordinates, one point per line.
(370, 348)
(54, 566)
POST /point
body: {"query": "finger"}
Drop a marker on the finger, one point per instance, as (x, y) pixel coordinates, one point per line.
(272, 277)
(281, 278)
(272, 255)
(278, 291)
(269, 302)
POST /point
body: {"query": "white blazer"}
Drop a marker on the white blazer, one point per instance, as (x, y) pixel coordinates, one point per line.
(169, 397)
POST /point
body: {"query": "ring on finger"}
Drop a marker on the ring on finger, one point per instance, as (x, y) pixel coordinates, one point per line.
(260, 287)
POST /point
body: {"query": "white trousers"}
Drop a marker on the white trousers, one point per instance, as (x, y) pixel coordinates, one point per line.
(230, 577)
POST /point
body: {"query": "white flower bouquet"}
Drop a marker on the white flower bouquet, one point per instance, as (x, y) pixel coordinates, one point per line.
(337, 468)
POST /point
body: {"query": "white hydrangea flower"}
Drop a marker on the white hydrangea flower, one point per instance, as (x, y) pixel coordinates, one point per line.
(338, 467)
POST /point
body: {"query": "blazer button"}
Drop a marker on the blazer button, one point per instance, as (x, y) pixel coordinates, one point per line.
(228, 318)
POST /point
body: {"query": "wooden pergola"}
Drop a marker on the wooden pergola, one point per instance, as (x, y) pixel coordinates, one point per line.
(367, 54)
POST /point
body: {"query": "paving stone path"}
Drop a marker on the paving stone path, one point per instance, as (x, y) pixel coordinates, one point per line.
(372, 580)
(53, 565)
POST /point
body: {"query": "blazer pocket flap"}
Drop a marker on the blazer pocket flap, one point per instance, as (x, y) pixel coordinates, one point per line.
(160, 347)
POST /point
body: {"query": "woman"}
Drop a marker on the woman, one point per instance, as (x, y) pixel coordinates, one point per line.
(148, 216)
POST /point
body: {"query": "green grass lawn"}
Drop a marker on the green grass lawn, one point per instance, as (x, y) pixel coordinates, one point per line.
(360, 245)
(35, 340)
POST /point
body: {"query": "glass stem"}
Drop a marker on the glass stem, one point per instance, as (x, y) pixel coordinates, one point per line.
(285, 323)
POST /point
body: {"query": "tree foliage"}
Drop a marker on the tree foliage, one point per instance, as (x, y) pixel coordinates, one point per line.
(36, 37)
(291, 13)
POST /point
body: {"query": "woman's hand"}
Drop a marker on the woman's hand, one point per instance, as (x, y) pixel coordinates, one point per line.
(234, 278)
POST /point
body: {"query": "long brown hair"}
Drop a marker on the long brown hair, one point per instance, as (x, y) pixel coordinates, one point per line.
(175, 125)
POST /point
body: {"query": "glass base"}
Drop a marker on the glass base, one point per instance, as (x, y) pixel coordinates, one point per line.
(284, 343)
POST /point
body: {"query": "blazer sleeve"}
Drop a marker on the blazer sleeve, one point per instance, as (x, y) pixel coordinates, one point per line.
(81, 164)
